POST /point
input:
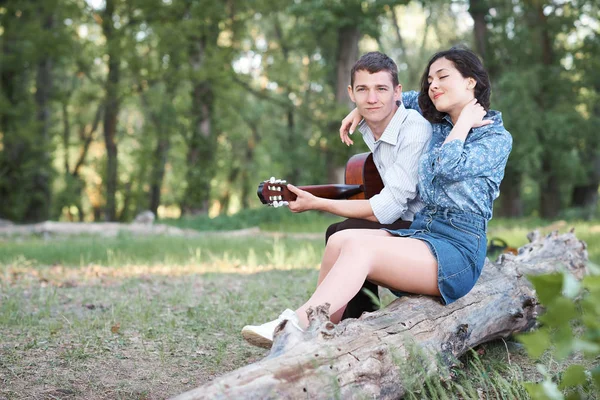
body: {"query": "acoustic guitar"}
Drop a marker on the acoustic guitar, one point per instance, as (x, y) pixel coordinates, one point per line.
(362, 181)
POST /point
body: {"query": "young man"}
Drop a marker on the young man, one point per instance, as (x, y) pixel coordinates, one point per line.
(396, 137)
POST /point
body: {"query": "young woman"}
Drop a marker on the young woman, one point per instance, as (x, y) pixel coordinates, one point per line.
(443, 251)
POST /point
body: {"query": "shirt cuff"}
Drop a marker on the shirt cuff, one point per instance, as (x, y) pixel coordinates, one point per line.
(385, 208)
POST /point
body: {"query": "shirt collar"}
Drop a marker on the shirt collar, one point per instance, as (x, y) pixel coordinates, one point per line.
(448, 119)
(392, 130)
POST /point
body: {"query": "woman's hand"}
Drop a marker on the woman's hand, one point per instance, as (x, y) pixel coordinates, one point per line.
(472, 115)
(348, 126)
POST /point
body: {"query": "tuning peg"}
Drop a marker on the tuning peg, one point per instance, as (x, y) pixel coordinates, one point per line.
(285, 203)
(284, 181)
(272, 180)
(276, 204)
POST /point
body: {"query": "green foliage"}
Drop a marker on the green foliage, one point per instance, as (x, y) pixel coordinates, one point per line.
(570, 325)
(205, 253)
(486, 376)
(215, 96)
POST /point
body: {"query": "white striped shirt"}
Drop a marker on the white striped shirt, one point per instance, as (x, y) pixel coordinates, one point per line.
(396, 155)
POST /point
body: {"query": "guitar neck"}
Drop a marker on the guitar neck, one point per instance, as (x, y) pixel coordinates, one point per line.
(362, 182)
(337, 191)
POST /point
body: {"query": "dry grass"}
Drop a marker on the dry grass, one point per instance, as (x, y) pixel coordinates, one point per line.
(133, 331)
(151, 318)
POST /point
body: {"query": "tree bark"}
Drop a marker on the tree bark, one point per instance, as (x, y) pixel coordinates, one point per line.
(511, 204)
(363, 358)
(347, 55)
(111, 110)
(549, 189)
(253, 141)
(478, 10)
(202, 142)
(585, 196)
(550, 203)
(41, 195)
(161, 151)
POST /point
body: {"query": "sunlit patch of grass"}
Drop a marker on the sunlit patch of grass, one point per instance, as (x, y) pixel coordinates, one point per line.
(64, 263)
(266, 218)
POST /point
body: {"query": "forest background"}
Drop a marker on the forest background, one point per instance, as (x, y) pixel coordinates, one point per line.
(111, 107)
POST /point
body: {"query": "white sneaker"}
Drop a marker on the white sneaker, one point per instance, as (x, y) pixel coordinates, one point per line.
(262, 335)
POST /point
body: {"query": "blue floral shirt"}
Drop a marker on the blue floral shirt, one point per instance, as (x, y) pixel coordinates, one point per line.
(463, 175)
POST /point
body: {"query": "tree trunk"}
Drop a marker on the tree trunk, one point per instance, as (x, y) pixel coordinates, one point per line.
(161, 153)
(550, 203)
(549, 189)
(360, 358)
(39, 192)
(478, 11)
(292, 148)
(585, 195)
(295, 158)
(511, 204)
(202, 142)
(347, 55)
(201, 150)
(39, 207)
(111, 110)
(246, 181)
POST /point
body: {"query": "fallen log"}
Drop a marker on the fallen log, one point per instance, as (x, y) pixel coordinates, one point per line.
(363, 358)
(112, 229)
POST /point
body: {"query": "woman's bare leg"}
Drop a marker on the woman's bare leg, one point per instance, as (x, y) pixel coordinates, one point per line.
(400, 263)
(332, 252)
(335, 244)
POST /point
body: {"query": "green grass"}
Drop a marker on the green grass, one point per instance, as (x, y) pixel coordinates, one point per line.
(150, 317)
(513, 231)
(159, 335)
(266, 218)
(126, 250)
(484, 373)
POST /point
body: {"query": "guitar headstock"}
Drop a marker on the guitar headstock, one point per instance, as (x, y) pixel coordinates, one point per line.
(274, 192)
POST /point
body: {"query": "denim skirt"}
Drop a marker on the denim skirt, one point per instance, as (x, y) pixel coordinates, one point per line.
(457, 239)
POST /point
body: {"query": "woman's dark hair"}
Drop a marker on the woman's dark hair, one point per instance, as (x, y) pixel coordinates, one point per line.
(469, 66)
